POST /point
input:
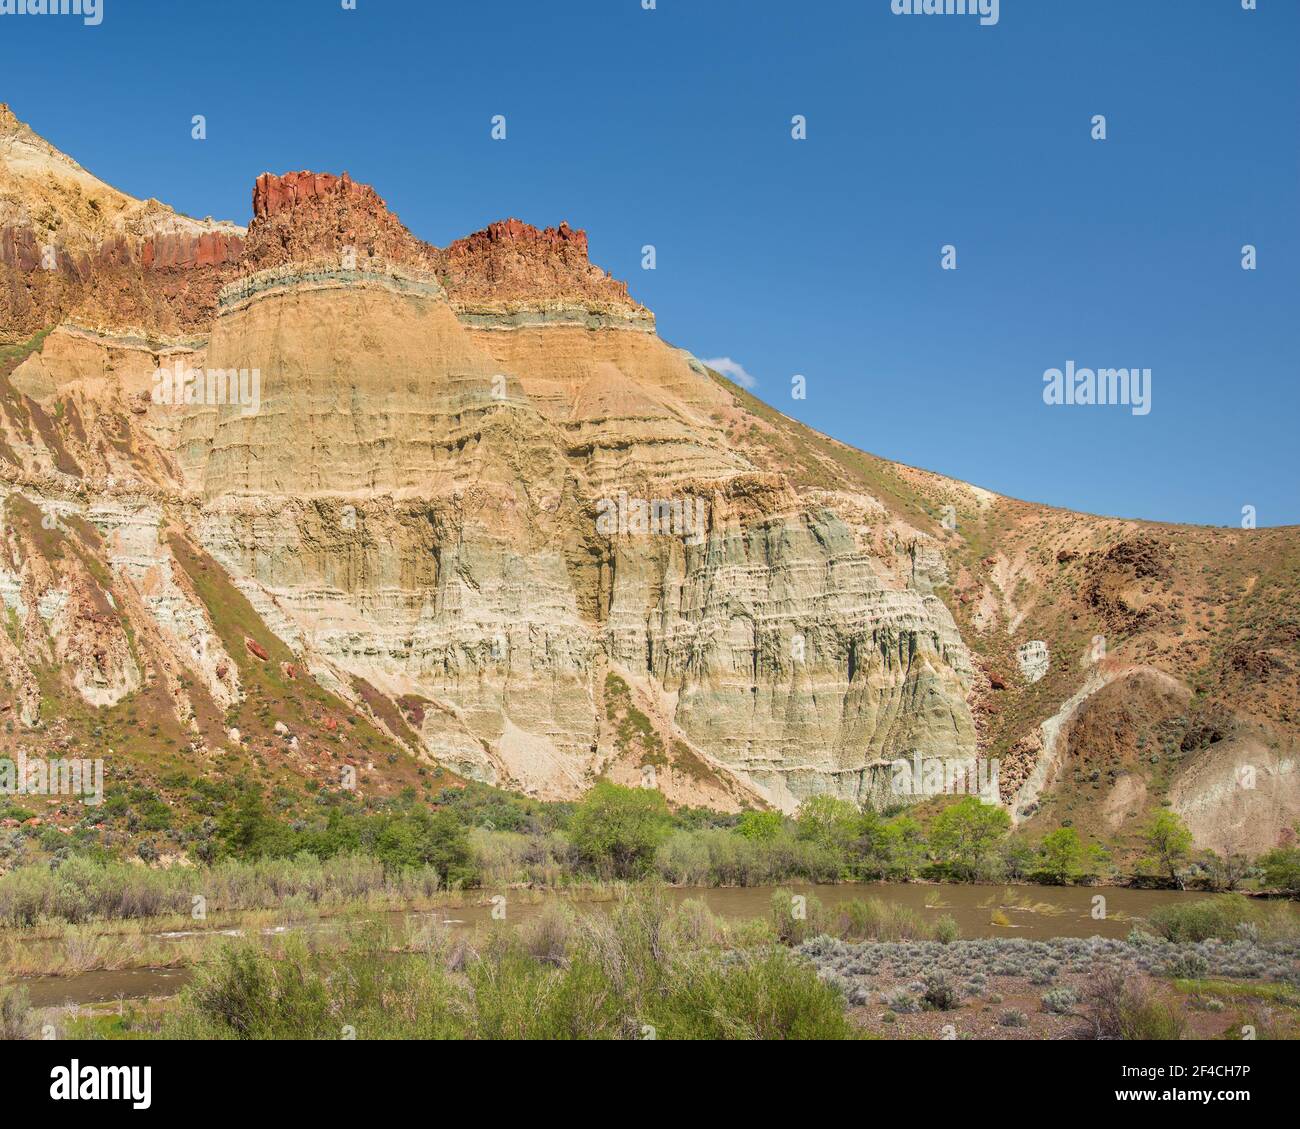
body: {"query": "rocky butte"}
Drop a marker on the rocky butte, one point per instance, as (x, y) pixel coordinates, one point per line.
(399, 550)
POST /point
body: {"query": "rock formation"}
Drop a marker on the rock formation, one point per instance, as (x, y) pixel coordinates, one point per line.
(467, 499)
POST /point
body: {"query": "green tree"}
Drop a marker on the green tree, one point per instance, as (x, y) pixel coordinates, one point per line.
(870, 847)
(1281, 869)
(617, 830)
(1170, 844)
(828, 822)
(423, 838)
(247, 831)
(1063, 858)
(966, 833)
(1017, 857)
(759, 826)
(899, 849)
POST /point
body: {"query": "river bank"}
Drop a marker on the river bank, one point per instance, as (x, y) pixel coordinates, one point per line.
(95, 962)
(678, 966)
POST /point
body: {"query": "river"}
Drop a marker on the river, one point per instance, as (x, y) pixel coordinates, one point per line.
(1034, 912)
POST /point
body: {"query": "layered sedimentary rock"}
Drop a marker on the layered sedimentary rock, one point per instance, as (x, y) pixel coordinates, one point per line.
(471, 493)
(70, 245)
(512, 273)
(416, 497)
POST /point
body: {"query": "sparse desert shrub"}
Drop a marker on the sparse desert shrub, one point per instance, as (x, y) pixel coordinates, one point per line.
(901, 1001)
(1059, 1001)
(16, 1020)
(1188, 965)
(1120, 1005)
(940, 992)
(1013, 1018)
(547, 936)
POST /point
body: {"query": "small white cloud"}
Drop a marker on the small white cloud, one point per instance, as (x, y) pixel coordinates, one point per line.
(732, 370)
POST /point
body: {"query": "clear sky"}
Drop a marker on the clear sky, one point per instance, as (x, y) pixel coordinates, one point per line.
(819, 257)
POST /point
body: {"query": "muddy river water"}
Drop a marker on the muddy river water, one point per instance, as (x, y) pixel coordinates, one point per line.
(1033, 912)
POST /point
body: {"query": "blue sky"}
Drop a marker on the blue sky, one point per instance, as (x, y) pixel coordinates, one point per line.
(819, 257)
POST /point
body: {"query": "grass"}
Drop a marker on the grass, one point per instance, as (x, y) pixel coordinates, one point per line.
(1120, 1005)
(796, 919)
(1285, 995)
(633, 730)
(12, 355)
(643, 971)
(85, 949)
(83, 891)
(1225, 917)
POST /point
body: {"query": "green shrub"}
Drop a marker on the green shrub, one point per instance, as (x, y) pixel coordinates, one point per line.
(1220, 918)
(873, 919)
(1281, 870)
(16, 1021)
(796, 917)
(771, 995)
(637, 972)
(965, 835)
(617, 830)
(940, 993)
(1059, 1001)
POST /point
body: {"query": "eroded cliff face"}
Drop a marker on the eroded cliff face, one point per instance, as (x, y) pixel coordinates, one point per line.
(416, 502)
(72, 245)
(468, 498)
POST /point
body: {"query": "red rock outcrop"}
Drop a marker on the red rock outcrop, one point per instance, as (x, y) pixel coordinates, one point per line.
(72, 246)
(186, 252)
(119, 261)
(305, 216)
(514, 263)
(274, 194)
